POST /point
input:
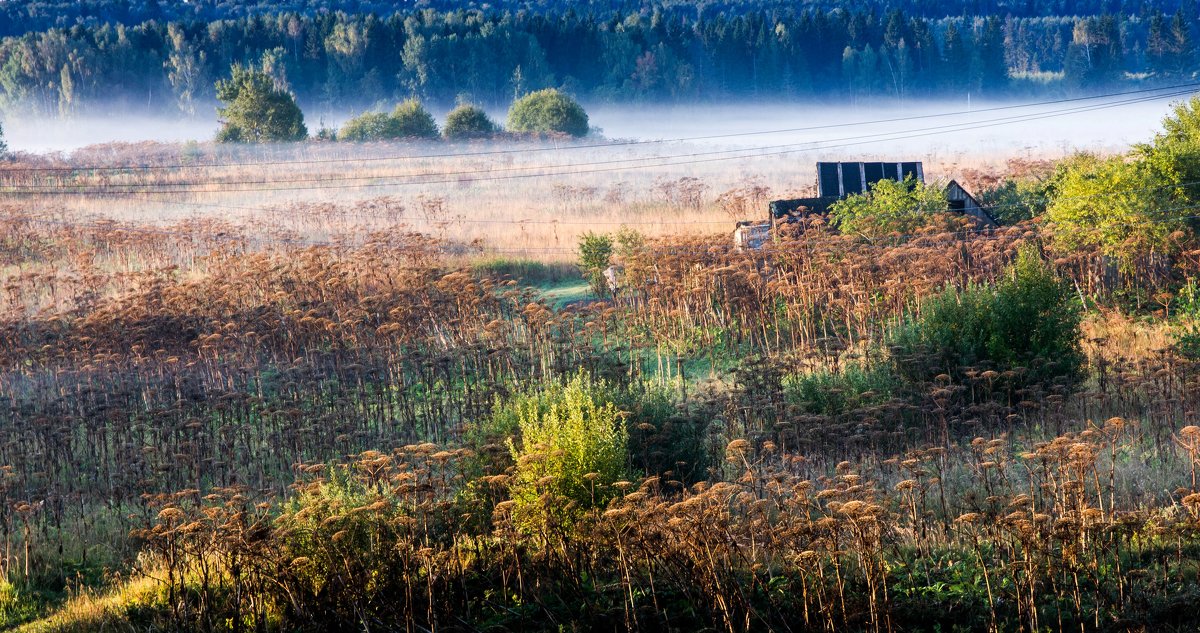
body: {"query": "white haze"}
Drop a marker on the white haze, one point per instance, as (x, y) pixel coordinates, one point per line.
(1109, 129)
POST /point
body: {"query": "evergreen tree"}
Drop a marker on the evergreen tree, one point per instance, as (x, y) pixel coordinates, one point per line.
(256, 110)
(990, 67)
(1181, 52)
(956, 59)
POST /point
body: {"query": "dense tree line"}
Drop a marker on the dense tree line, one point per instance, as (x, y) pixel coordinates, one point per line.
(339, 60)
(38, 15)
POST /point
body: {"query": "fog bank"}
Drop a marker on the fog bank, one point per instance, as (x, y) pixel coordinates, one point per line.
(978, 132)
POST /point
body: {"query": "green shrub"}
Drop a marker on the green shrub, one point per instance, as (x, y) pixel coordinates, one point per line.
(1187, 342)
(548, 111)
(1030, 319)
(572, 448)
(951, 332)
(368, 126)
(1035, 320)
(891, 206)
(467, 122)
(666, 440)
(411, 120)
(595, 255)
(1014, 200)
(408, 120)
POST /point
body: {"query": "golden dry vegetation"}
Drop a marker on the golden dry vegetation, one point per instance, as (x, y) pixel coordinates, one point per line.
(300, 416)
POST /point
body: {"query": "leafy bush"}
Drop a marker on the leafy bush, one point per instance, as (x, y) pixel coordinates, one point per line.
(571, 451)
(890, 206)
(1014, 200)
(368, 126)
(408, 120)
(667, 440)
(595, 255)
(1187, 342)
(548, 111)
(1030, 319)
(467, 122)
(1123, 209)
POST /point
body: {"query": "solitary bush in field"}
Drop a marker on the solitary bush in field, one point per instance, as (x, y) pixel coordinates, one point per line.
(1029, 320)
(412, 120)
(548, 111)
(368, 126)
(571, 450)
(467, 122)
(595, 255)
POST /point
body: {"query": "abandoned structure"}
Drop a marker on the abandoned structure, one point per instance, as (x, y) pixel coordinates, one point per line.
(838, 180)
(962, 201)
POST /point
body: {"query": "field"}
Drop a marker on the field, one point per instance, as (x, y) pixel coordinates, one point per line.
(323, 389)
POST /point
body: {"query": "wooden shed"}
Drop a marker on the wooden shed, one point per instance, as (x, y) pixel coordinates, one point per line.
(838, 180)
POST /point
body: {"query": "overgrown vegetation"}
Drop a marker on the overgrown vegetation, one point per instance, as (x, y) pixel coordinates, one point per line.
(1027, 323)
(219, 427)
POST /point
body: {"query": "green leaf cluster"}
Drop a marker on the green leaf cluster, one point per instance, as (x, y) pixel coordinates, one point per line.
(467, 122)
(595, 255)
(1121, 207)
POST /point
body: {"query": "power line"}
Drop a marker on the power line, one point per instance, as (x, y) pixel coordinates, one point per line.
(177, 166)
(720, 156)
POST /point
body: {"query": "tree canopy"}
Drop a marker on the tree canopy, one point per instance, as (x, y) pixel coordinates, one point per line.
(548, 110)
(257, 109)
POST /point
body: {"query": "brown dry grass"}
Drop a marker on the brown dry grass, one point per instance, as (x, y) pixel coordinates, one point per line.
(540, 217)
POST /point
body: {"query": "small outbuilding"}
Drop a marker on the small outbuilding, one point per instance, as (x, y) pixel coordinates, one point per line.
(961, 201)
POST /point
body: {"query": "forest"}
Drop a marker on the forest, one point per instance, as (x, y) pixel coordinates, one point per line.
(339, 61)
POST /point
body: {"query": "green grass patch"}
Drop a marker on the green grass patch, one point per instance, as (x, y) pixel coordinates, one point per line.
(527, 272)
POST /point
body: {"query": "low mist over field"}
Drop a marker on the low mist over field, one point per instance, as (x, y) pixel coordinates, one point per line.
(1006, 132)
